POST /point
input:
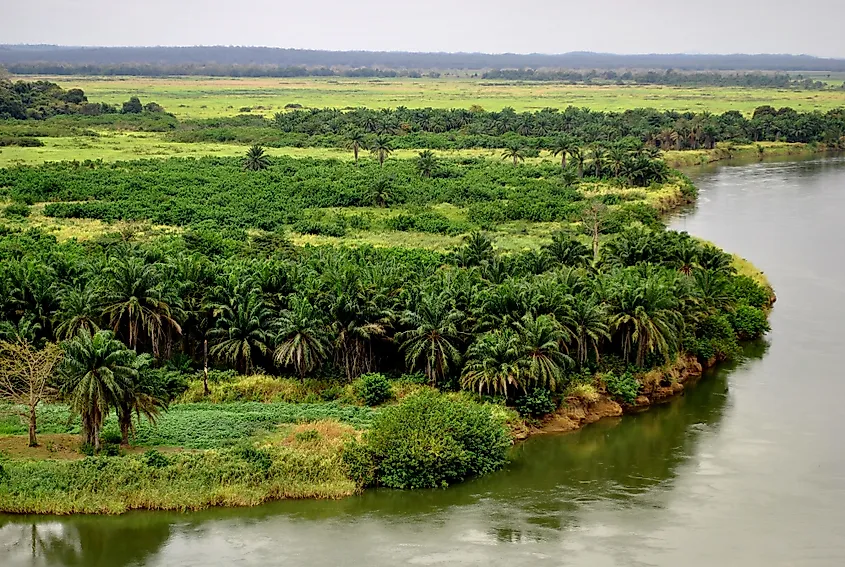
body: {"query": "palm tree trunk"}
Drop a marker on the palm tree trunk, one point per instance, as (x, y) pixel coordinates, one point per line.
(205, 367)
(563, 160)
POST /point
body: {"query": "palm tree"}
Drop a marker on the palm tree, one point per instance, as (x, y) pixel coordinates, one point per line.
(433, 336)
(578, 156)
(541, 355)
(242, 331)
(256, 159)
(382, 148)
(78, 310)
(355, 140)
(142, 396)
(644, 316)
(566, 250)
(514, 152)
(25, 330)
(589, 324)
(599, 155)
(560, 147)
(301, 340)
(617, 156)
(493, 363)
(138, 303)
(97, 374)
(426, 163)
(380, 193)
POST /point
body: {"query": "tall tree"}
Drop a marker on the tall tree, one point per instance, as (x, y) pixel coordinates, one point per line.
(355, 140)
(514, 152)
(25, 378)
(433, 337)
(138, 303)
(561, 147)
(242, 331)
(381, 147)
(579, 158)
(302, 340)
(426, 163)
(97, 372)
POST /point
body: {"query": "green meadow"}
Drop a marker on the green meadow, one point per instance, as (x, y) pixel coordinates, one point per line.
(207, 97)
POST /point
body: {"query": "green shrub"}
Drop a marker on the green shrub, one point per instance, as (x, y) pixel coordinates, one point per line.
(745, 290)
(749, 322)
(16, 210)
(623, 387)
(536, 403)
(372, 389)
(155, 459)
(430, 440)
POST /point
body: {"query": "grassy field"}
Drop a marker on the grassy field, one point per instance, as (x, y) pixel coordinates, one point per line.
(113, 146)
(204, 97)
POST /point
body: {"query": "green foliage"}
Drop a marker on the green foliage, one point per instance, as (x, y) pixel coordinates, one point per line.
(206, 426)
(535, 403)
(155, 459)
(429, 441)
(749, 322)
(745, 290)
(372, 389)
(190, 480)
(218, 191)
(426, 222)
(16, 211)
(623, 387)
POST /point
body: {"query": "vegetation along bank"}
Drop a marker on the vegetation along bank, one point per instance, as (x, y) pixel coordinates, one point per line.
(226, 331)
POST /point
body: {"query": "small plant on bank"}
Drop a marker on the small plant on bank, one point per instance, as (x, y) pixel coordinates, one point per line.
(623, 387)
(535, 403)
(373, 389)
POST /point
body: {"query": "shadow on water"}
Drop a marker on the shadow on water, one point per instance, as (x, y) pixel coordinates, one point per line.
(549, 481)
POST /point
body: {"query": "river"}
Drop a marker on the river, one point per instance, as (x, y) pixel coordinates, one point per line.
(747, 468)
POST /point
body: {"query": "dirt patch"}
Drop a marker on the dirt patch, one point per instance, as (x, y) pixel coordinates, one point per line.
(659, 385)
(51, 446)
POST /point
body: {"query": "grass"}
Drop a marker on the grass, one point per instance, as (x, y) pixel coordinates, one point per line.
(289, 464)
(205, 97)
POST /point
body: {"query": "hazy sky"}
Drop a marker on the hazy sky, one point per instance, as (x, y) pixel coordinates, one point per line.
(495, 26)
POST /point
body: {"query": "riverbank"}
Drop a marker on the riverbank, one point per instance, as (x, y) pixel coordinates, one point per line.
(760, 150)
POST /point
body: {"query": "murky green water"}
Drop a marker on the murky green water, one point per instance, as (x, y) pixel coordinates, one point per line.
(746, 469)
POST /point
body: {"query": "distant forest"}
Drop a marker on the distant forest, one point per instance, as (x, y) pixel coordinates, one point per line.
(258, 61)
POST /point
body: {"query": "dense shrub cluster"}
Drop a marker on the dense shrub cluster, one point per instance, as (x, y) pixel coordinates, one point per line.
(429, 441)
(420, 128)
(185, 192)
(41, 99)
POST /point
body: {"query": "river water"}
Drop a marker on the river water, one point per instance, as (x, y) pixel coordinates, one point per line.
(745, 469)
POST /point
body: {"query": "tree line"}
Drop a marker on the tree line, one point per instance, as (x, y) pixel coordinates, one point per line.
(37, 100)
(429, 128)
(500, 324)
(11, 55)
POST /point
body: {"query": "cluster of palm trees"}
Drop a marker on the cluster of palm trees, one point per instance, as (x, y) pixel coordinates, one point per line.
(635, 163)
(667, 129)
(495, 323)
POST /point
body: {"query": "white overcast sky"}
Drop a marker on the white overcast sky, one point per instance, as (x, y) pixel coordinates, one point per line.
(814, 27)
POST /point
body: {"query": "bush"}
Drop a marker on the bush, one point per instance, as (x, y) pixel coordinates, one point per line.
(429, 440)
(16, 210)
(623, 387)
(749, 322)
(745, 290)
(535, 403)
(372, 389)
(155, 459)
